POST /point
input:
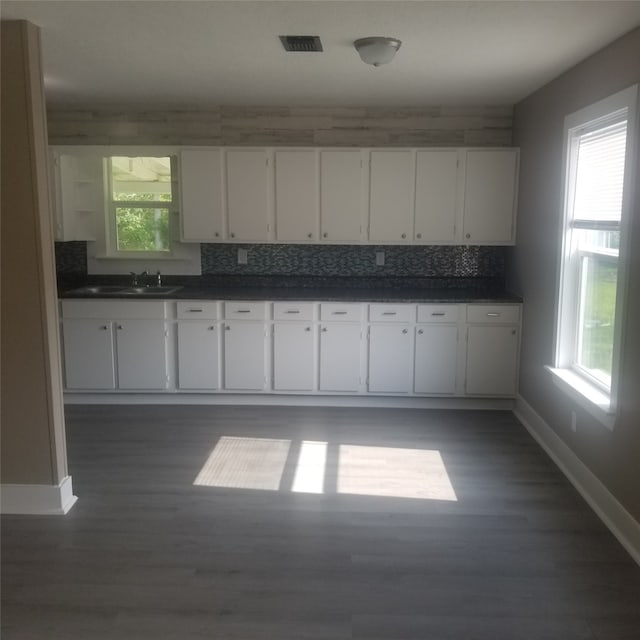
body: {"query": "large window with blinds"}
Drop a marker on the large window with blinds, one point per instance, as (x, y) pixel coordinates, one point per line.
(591, 291)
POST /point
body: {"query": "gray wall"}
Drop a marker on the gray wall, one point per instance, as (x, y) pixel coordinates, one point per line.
(532, 267)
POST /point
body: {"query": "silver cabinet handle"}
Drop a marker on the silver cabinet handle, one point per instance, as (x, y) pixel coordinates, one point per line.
(403, 236)
(493, 315)
(195, 310)
(232, 235)
(243, 311)
(389, 313)
(292, 311)
(325, 235)
(467, 235)
(338, 313)
(438, 313)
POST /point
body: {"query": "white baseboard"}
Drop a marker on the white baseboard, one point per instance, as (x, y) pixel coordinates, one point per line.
(298, 400)
(617, 519)
(37, 499)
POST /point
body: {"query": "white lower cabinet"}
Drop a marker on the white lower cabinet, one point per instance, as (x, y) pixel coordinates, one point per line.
(436, 357)
(88, 354)
(390, 358)
(294, 356)
(340, 357)
(245, 362)
(199, 355)
(493, 345)
(115, 345)
(141, 351)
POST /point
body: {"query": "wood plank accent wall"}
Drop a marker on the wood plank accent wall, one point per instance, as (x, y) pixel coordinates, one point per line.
(299, 126)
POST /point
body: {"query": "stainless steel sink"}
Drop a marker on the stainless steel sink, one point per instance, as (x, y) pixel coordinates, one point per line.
(148, 291)
(100, 289)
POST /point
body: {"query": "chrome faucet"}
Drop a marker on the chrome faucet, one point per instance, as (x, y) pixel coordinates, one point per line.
(135, 278)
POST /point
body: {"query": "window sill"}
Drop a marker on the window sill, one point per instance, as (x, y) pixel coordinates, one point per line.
(588, 396)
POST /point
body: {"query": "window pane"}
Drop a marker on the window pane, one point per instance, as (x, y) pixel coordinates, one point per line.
(592, 240)
(600, 174)
(141, 179)
(597, 314)
(142, 229)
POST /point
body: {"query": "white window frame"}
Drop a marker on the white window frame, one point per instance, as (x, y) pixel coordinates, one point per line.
(583, 388)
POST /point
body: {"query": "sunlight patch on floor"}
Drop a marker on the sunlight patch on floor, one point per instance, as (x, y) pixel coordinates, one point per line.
(393, 472)
(245, 463)
(309, 477)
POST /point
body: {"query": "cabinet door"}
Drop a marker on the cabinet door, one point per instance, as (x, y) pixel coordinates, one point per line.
(492, 360)
(341, 197)
(199, 355)
(489, 196)
(293, 356)
(201, 195)
(245, 356)
(435, 359)
(296, 196)
(88, 354)
(340, 357)
(141, 347)
(390, 358)
(436, 196)
(247, 195)
(391, 193)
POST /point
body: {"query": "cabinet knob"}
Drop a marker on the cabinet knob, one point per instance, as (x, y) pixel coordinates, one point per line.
(420, 331)
(403, 236)
(513, 332)
(216, 234)
(309, 235)
(103, 327)
(120, 327)
(405, 331)
(418, 235)
(228, 328)
(307, 329)
(324, 329)
(212, 328)
(232, 235)
(467, 235)
(325, 235)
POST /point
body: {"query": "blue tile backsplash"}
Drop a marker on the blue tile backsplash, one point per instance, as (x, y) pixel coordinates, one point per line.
(354, 260)
(326, 261)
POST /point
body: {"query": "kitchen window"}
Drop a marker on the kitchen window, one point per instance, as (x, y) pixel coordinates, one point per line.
(140, 205)
(598, 182)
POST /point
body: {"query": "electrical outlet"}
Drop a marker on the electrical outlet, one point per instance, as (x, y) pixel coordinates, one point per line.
(379, 258)
(243, 256)
(574, 422)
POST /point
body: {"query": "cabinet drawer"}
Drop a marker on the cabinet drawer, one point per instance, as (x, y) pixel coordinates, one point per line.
(392, 313)
(437, 313)
(340, 312)
(196, 309)
(121, 309)
(293, 311)
(493, 313)
(245, 310)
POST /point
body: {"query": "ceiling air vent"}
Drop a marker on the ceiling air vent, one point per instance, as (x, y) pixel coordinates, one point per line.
(301, 43)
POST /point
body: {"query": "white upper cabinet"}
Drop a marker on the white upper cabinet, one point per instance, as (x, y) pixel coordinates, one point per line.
(201, 195)
(296, 195)
(248, 194)
(490, 196)
(391, 196)
(437, 196)
(341, 196)
(78, 195)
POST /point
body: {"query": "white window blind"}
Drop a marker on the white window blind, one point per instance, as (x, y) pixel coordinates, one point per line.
(600, 177)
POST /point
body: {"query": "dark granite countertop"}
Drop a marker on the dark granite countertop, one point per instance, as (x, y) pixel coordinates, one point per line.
(452, 290)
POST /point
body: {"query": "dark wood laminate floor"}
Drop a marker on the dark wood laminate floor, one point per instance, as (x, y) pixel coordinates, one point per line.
(498, 545)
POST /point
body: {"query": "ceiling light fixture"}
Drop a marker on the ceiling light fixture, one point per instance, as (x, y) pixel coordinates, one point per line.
(377, 50)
